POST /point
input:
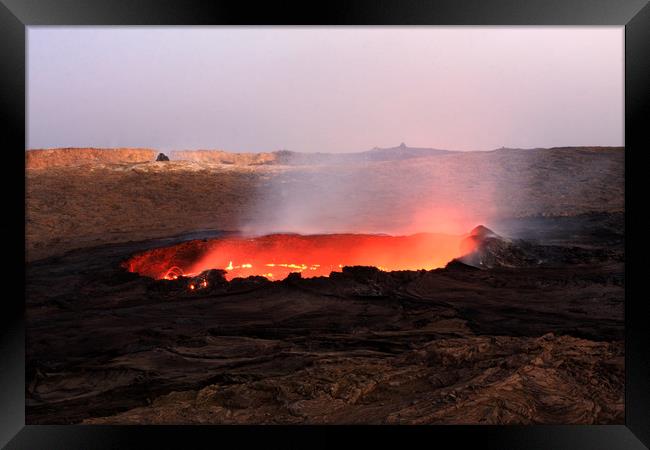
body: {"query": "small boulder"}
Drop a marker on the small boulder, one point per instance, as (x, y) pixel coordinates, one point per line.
(292, 278)
(162, 157)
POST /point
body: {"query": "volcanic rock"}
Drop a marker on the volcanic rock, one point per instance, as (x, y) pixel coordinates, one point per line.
(456, 265)
(125, 196)
(499, 346)
(482, 232)
(248, 282)
(224, 157)
(361, 273)
(489, 250)
(162, 157)
(72, 157)
(214, 276)
(292, 278)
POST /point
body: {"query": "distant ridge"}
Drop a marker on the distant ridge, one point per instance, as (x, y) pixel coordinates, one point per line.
(287, 157)
(62, 157)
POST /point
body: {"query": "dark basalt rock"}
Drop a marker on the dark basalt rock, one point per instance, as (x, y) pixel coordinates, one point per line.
(248, 282)
(492, 251)
(458, 266)
(362, 273)
(162, 157)
(292, 278)
(214, 277)
(104, 346)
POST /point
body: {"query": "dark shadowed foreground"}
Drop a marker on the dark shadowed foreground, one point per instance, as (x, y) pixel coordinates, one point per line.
(534, 336)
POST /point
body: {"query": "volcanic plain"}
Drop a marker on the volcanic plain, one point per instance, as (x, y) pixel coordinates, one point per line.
(526, 329)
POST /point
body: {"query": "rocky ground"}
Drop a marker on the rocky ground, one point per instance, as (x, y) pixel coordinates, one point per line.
(539, 344)
(78, 205)
(527, 329)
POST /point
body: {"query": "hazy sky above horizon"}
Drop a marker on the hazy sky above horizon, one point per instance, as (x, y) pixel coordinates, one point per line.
(328, 89)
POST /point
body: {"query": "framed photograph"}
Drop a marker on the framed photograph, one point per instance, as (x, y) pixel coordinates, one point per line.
(299, 223)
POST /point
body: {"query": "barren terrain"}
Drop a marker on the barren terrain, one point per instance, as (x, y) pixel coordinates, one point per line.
(455, 345)
(78, 205)
(526, 329)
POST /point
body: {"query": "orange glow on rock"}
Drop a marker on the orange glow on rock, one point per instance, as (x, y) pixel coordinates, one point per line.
(310, 255)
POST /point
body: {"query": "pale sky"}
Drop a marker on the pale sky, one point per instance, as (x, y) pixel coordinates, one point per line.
(327, 89)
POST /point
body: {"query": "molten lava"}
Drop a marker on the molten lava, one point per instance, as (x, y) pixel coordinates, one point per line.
(276, 256)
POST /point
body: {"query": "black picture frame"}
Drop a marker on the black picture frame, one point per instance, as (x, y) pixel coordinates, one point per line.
(16, 15)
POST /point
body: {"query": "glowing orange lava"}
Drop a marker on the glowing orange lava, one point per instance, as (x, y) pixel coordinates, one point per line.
(275, 256)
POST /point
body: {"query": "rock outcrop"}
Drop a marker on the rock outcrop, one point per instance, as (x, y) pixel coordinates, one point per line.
(491, 251)
(66, 157)
(224, 157)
